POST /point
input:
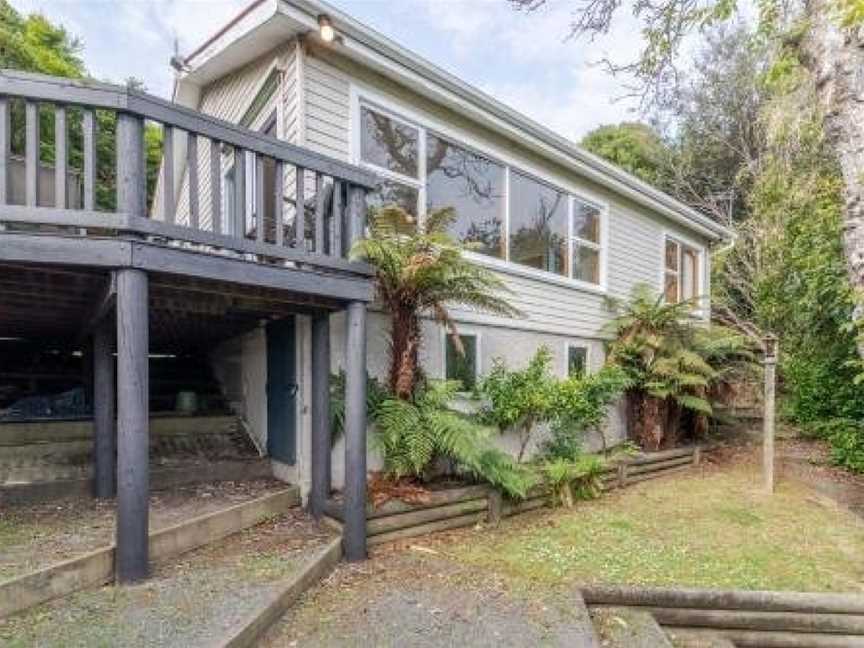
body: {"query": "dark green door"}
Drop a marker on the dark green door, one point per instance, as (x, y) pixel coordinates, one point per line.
(281, 391)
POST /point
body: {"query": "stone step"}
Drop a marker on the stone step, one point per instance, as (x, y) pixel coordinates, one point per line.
(621, 627)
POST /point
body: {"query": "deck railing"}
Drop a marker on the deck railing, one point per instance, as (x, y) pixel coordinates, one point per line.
(309, 220)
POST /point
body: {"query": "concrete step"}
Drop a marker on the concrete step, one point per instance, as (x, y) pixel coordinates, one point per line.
(621, 627)
(161, 478)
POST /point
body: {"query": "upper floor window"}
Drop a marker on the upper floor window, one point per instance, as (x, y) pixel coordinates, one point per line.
(538, 224)
(586, 241)
(389, 144)
(474, 187)
(682, 271)
(502, 211)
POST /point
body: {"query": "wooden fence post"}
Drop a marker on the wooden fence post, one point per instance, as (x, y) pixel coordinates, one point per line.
(770, 363)
(622, 474)
(496, 506)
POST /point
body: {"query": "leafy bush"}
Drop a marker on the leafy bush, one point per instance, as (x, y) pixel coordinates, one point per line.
(674, 363)
(520, 399)
(846, 437)
(569, 480)
(582, 404)
(413, 433)
(376, 394)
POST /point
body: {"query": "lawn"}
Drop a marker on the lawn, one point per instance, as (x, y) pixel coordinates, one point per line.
(709, 529)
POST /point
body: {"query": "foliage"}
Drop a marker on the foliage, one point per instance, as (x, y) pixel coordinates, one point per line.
(572, 479)
(420, 269)
(375, 395)
(520, 399)
(33, 44)
(633, 146)
(413, 433)
(846, 437)
(581, 404)
(672, 361)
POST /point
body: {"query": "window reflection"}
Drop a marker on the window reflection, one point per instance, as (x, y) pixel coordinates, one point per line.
(393, 193)
(473, 186)
(388, 143)
(538, 225)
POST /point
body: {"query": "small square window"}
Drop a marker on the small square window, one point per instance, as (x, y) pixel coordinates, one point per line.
(577, 361)
(462, 366)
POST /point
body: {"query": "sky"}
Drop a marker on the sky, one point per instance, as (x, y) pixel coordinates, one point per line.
(522, 59)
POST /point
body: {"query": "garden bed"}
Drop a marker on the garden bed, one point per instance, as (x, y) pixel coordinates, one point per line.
(460, 506)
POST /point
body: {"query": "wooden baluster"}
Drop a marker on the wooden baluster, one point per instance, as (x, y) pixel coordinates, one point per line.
(216, 185)
(356, 215)
(319, 213)
(239, 193)
(278, 198)
(131, 176)
(5, 144)
(192, 165)
(31, 154)
(259, 198)
(336, 245)
(88, 126)
(300, 211)
(60, 157)
(168, 205)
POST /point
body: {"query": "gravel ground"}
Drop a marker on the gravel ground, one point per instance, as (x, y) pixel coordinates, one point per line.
(415, 596)
(188, 602)
(38, 535)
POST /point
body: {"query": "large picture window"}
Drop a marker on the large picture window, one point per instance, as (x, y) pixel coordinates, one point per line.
(538, 225)
(502, 211)
(474, 187)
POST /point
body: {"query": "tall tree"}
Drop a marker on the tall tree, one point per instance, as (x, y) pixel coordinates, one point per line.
(32, 43)
(633, 146)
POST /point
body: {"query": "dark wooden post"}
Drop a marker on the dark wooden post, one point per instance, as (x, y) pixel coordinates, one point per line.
(320, 413)
(104, 428)
(354, 538)
(133, 469)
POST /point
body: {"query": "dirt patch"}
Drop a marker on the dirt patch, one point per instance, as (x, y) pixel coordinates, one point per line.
(37, 535)
(188, 602)
(417, 595)
(810, 462)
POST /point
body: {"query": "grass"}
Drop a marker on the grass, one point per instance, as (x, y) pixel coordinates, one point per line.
(714, 530)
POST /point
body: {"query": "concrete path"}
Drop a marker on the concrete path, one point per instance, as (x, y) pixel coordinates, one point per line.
(418, 599)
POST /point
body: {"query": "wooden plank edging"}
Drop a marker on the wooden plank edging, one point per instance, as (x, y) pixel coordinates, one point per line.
(97, 567)
(246, 632)
(715, 599)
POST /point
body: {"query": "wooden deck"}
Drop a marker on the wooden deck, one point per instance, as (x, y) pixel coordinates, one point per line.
(131, 284)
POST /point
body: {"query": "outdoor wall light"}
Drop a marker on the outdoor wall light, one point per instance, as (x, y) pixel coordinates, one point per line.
(325, 28)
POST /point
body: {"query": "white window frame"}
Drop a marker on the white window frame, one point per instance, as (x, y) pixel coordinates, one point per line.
(361, 95)
(570, 344)
(464, 331)
(701, 277)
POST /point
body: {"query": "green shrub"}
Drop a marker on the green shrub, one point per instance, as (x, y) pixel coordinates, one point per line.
(376, 394)
(413, 433)
(520, 399)
(582, 404)
(846, 437)
(569, 480)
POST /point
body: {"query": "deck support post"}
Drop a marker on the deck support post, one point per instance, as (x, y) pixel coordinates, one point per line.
(104, 426)
(321, 448)
(133, 422)
(133, 468)
(354, 539)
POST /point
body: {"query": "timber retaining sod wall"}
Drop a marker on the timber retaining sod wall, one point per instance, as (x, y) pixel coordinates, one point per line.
(460, 507)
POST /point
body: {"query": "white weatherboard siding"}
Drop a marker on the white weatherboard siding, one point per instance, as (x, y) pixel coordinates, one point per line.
(317, 103)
